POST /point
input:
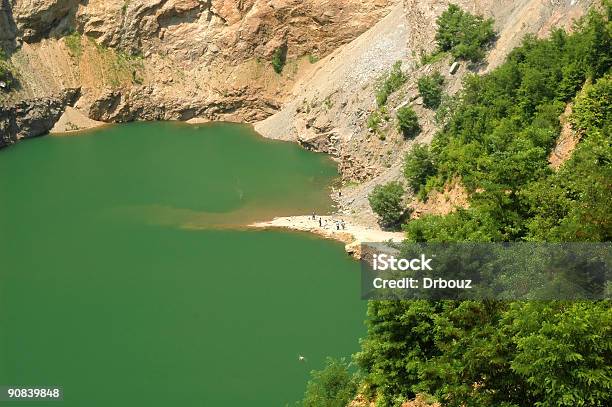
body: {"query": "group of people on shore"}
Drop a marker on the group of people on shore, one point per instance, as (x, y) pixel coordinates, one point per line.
(339, 224)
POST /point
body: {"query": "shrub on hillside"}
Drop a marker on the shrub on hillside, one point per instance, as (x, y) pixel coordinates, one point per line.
(408, 122)
(418, 166)
(6, 76)
(73, 42)
(462, 34)
(430, 88)
(387, 202)
(278, 59)
(390, 83)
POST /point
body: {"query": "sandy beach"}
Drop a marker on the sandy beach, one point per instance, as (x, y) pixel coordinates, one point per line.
(352, 235)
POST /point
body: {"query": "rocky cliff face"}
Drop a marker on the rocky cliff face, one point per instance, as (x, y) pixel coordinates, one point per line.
(42, 18)
(174, 59)
(332, 104)
(184, 59)
(31, 118)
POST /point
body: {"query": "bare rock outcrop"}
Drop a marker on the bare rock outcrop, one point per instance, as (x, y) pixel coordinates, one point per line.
(235, 30)
(31, 118)
(178, 59)
(37, 19)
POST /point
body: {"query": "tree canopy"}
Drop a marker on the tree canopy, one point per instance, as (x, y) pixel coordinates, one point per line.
(497, 141)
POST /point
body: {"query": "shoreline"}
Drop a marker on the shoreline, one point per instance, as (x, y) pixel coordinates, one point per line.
(352, 235)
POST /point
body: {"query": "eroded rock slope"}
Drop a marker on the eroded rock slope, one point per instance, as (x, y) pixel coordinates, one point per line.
(172, 59)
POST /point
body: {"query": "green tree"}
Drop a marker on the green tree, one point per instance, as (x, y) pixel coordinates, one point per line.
(408, 122)
(279, 57)
(418, 166)
(333, 386)
(430, 88)
(463, 34)
(593, 108)
(563, 351)
(497, 139)
(387, 202)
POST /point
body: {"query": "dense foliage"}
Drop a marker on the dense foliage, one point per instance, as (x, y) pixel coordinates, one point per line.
(497, 142)
(504, 126)
(333, 386)
(408, 122)
(390, 83)
(463, 34)
(490, 354)
(387, 202)
(430, 88)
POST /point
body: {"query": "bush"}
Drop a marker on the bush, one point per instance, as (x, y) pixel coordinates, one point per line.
(391, 82)
(375, 119)
(418, 166)
(434, 57)
(386, 201)
(462, 34)
(6, 75)
(73, 42)
(279, 58)
(430, 88)
(408, 122)
(4, 72)
(334, 386)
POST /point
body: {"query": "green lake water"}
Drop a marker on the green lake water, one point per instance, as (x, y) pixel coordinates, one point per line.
(127, 277)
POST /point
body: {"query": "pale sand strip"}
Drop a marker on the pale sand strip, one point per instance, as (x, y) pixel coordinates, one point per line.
(352, 236)
(72, 121)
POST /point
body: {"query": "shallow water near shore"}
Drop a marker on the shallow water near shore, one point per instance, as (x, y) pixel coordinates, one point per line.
(126, 281)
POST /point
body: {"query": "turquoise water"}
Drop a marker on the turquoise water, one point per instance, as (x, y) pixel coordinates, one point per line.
(128, 278)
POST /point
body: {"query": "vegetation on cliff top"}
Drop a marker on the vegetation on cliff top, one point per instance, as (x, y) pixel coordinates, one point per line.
(497, 140)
